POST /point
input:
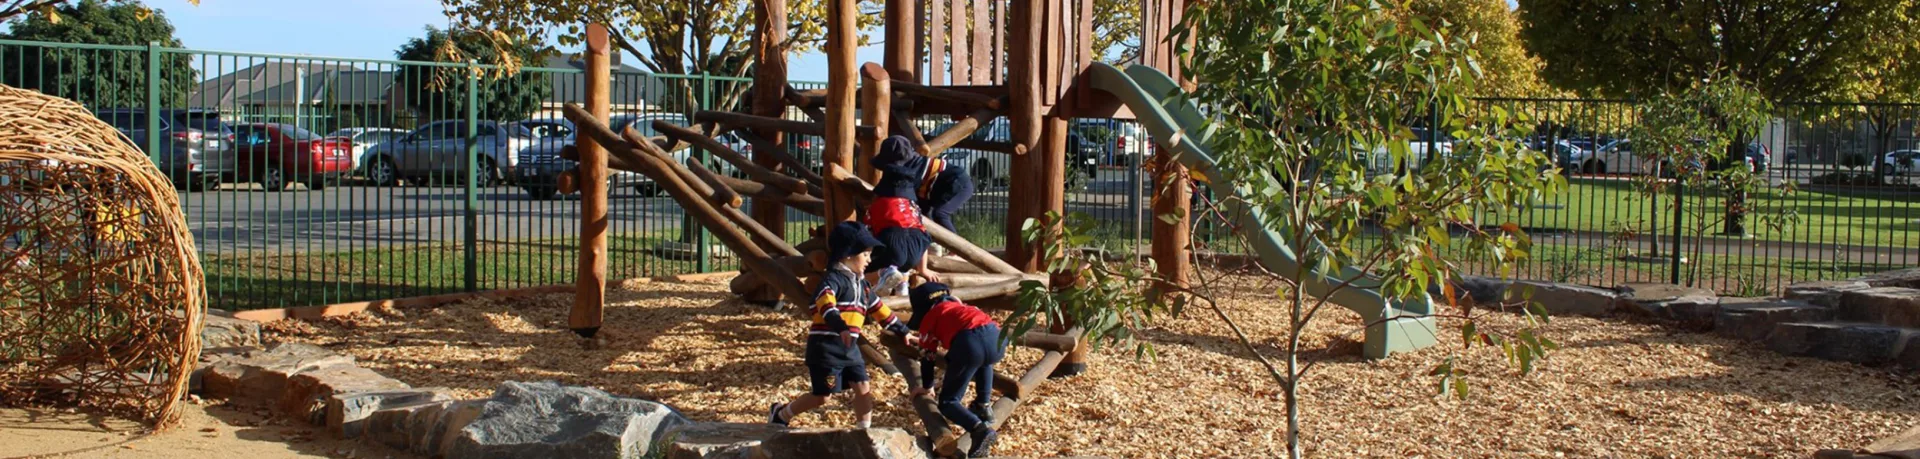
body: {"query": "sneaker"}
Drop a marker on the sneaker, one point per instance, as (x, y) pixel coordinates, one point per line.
(982, 442)
(981, 411)
(892, 282)
(773, 415)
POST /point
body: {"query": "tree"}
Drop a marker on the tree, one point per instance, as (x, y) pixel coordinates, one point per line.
(1116, 36)
(1303, 96)
(670, 37)
(50, 8)
(1785, 49)
(441, 92)
(1509, 71)
(100, 79)
(1890, 75)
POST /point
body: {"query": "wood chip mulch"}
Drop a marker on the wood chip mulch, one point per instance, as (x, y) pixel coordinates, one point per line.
(1616, 389)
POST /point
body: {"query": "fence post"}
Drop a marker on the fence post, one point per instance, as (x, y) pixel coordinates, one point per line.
(1679, 210)
(153, 107)
(702, 245)
(472, 227)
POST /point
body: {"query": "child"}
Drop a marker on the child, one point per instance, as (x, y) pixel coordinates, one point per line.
(844, 303)
(909, 185)
(972, 343)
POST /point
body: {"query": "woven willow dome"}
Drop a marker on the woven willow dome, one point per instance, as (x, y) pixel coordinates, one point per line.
(100, 290)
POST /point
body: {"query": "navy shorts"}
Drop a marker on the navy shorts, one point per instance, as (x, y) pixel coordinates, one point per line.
(900, 248)
(841, 377)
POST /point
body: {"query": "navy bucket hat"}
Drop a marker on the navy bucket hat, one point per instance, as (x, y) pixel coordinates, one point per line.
(848, 239)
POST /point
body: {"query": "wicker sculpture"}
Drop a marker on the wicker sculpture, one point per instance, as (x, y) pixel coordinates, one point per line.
(101, 299)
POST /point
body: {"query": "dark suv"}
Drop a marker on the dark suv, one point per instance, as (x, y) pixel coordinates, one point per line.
(196, 148)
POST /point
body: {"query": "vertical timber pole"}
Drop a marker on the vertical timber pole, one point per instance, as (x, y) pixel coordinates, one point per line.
(903, 40)
(1024, 123)
(590, 288)
(1172, 185)
(769, 87)
(841, 27)
(878, 86)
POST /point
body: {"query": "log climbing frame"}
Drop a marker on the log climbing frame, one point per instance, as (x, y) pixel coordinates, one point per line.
(973, 60)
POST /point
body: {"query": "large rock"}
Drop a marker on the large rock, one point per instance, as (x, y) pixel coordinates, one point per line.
(1480, 291)
(224, 332)
(1823, 293)
(259, 378)
(347, 413)
(392, 425)
(1753, 321)
(435, 431)
(1896, 306)
(549, 420)
(307, 392)
(1564, 299)
(1909, 278)
(1904, 445)
(1658, 300)
(1870, 344)
(717, 440)
(860, 443)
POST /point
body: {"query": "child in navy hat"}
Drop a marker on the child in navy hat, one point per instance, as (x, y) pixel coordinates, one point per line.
(844, 303)
(910, 184)
(971, 341)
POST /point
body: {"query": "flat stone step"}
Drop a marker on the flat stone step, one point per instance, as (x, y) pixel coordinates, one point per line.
(1755, 320)
(1894, 306)
(1857, 342)
(1824, 293)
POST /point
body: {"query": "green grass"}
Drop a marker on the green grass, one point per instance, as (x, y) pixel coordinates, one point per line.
(240, 283)
(1825, 217)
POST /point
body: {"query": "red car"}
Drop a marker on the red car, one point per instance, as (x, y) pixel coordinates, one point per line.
(275, 155)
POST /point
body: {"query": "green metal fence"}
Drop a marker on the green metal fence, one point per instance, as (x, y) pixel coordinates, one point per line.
(447, 184)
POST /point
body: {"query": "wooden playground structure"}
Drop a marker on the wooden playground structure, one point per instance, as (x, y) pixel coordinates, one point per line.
(1021, 59)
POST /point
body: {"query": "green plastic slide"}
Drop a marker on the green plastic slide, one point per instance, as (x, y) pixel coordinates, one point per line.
(1176, 125)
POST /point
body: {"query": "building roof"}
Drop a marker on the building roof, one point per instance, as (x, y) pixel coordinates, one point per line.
(286, 83)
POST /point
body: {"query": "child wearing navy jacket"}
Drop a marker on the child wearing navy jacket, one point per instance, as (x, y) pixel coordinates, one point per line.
(910, 184)
(971, 340)
(844, 303)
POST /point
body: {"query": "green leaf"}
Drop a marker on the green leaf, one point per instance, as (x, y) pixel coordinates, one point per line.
(1468, 334)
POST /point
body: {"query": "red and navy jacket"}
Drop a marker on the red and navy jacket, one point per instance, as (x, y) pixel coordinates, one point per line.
(949, 317)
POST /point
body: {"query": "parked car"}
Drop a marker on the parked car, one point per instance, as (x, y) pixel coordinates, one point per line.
(437, 152)
(1900, 163)
(275, 155)
(196, 148)
(1129, 145)
(990, 169)
(541, 165)
(1420, 149)
(364, 139)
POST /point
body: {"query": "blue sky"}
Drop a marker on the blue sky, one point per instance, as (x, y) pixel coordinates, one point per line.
(370, 29)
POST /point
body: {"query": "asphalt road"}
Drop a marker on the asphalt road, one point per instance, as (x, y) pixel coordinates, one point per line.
(243, 220)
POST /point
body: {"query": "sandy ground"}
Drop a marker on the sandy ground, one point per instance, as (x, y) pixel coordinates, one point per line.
(1618, 388)
(206, 432)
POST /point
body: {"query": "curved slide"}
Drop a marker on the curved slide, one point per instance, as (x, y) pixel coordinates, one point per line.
(1176, 125)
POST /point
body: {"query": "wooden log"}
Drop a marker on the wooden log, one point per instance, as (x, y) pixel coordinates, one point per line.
(841, 132)
(903, 125)
(762, 147)
(968, 294)
(769, 83)
(567, 182)
(769, 241)
(802, 202)
(1047, 342)
(960, 130)
(876, 358)
(876, 111)
(590, 295)
(762, 122)
(723, 195)
(939, 93)
(966, 280)
(695, 205)
(807, 106)
(738, 160)
(953, 242)
(1172, 197)
(811, 245)
(951, 265)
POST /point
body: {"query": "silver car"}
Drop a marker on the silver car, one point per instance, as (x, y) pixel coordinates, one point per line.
(437, 153)
(364, 139)
(541, 165)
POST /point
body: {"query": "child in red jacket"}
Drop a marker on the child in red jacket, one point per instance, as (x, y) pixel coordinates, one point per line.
(971, 341)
